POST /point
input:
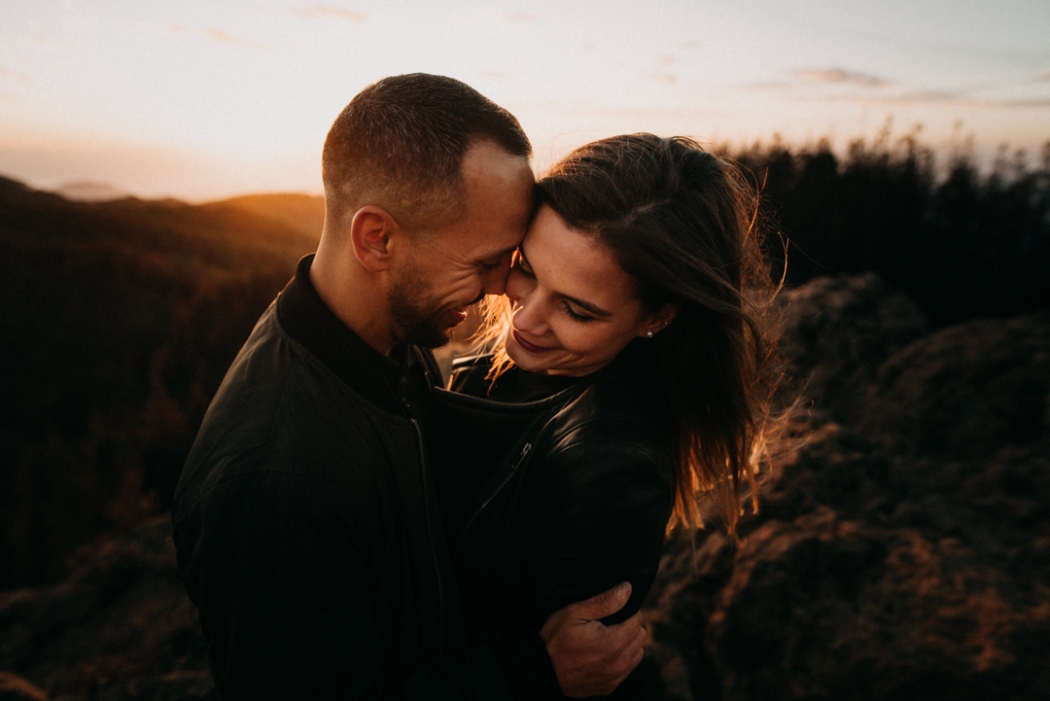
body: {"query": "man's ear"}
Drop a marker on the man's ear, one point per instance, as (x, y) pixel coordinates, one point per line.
(370, 232)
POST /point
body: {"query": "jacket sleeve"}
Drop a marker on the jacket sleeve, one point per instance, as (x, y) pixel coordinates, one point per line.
(601, 512)
(286, 601)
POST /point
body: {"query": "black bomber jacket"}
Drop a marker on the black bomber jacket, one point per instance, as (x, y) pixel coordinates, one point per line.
(307, 528)
(551, 500)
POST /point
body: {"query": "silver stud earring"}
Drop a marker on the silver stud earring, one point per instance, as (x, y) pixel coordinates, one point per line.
(649, 334)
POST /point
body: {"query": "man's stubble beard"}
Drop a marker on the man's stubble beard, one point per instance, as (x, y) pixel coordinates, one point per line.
(414, 311)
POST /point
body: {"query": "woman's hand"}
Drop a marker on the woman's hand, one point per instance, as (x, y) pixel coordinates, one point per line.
(589, 657)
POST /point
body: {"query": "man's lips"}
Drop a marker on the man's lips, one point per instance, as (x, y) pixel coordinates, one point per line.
(530, 347)
(453, 317)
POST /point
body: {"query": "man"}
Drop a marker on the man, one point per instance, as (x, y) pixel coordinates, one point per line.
(305, 521)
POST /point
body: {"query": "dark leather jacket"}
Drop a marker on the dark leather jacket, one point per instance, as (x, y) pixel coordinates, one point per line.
(307, 528)
(553, 500)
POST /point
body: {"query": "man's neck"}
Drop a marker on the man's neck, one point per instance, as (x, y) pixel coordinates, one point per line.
(355, 299)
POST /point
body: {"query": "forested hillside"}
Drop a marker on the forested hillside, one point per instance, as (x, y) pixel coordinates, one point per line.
(117, 321)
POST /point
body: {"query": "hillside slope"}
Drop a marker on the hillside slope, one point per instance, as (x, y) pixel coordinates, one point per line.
(304, 213)
(117, 321)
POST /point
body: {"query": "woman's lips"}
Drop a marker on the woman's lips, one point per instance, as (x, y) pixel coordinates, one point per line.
(530, 347)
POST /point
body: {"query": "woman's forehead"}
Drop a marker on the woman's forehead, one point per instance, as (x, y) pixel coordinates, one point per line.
(573, 263)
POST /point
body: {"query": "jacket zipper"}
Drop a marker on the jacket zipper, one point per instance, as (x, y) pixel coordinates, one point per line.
(495, 492)
(430, 533)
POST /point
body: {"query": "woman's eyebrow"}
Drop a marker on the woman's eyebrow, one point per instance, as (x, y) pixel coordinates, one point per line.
(592, 308)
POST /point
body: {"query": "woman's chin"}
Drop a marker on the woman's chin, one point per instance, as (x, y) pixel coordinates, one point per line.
(515, 353)
(521, 358)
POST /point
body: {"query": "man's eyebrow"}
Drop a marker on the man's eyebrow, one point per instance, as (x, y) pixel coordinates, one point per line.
(500, 253)
(592, 308)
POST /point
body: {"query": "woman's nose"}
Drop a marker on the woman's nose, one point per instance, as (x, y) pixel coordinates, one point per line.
(528, 316)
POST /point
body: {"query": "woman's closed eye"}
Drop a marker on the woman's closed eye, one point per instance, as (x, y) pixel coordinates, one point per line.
(575, 315)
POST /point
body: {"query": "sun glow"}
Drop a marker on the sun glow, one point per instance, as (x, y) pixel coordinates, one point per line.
(203, 99)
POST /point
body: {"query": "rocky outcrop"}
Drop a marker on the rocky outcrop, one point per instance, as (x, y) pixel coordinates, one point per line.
(120, 627)
(907, 556)
(965, 391)
(836, 332)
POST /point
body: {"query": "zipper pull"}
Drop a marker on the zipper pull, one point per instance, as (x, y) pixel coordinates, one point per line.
(525, 451)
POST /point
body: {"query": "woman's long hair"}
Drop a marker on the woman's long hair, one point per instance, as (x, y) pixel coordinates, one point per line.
(682, 223)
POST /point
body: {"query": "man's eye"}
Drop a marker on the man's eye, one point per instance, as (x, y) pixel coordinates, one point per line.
(522, 268)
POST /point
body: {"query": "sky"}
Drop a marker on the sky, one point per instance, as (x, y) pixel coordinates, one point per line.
(202, 99)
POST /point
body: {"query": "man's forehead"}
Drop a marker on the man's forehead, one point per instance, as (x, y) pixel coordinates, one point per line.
(471, 246)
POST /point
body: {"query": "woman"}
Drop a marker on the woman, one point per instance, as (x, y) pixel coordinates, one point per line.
(627, 384)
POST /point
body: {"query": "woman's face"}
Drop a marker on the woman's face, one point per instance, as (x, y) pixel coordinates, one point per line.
(574, 306)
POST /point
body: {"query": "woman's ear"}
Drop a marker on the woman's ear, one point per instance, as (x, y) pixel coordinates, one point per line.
(370, 232)
(658, 321)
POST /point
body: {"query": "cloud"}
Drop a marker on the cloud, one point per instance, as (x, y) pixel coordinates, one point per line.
(968, 96)
(224, 37)
(21, 77)
(931, 96)
(334, 12)
(768, 85)
(218, 35)
(1033, 102)
(939, 97)
(838, 76)
(519, 17)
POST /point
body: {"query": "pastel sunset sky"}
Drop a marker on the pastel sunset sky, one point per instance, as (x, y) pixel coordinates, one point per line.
(202, 99)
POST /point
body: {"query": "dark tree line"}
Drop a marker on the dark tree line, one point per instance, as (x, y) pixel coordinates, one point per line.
(959, 243)
(117, 322)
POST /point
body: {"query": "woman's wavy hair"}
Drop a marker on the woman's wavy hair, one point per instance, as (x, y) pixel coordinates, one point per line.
(682, 223)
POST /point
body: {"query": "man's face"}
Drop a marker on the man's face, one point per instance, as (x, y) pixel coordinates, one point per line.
(447, 270)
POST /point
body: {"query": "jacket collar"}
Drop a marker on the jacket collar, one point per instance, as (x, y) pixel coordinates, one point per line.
(305, 317)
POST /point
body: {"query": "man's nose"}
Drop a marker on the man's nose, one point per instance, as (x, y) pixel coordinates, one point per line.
(495, 285)
(495, 282)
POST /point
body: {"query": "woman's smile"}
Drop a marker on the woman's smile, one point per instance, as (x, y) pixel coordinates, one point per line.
(530, 347)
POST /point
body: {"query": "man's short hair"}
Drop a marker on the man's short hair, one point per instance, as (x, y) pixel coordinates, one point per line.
(400, 143)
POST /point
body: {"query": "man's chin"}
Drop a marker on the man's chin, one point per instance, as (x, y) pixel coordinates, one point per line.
(432, 330)
(429, 336)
